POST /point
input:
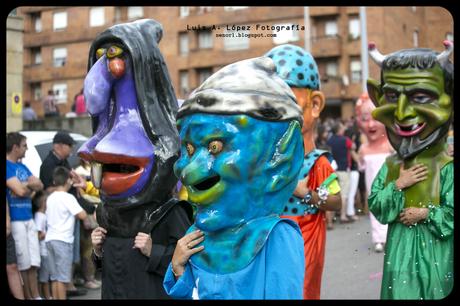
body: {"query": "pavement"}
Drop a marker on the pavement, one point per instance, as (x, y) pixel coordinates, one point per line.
(352, 269)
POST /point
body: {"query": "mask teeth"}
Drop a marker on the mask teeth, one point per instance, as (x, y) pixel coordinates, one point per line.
(96, 174)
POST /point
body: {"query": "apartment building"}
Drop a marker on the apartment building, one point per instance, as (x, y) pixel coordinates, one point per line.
(198, 40)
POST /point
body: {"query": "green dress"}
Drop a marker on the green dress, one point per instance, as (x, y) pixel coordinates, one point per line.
(418, 260)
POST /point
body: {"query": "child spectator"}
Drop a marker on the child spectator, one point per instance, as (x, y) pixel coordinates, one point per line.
(40, 222)
(62, 208)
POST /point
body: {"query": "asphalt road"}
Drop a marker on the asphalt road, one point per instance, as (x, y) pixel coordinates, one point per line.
(352, 269)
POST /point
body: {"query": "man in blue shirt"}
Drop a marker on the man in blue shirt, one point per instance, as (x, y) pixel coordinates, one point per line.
(21, 185)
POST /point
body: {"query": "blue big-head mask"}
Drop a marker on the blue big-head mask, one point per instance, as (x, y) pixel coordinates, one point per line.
(241, 151)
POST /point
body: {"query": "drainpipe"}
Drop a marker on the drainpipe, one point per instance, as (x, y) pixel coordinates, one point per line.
(364, 54)
(306, 21)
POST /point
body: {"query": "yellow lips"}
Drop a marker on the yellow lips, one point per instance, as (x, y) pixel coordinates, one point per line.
(205, 197)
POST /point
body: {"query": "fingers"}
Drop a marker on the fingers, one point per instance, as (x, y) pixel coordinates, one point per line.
(98, 235)
(193, 243)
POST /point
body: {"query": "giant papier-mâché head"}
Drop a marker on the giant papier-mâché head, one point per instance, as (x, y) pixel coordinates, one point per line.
(130, 98)
(415, 97)
(241, 145)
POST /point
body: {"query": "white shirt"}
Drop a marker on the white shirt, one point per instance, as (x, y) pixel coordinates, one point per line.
(61, 208)
(40, 223)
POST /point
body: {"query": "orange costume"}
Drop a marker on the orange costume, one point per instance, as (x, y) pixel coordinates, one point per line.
(313, 228)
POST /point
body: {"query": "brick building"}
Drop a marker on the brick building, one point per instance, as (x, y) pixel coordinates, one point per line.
(57, 40)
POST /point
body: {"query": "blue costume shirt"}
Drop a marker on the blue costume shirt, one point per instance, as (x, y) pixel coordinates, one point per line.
(264, 278)
(20, 207)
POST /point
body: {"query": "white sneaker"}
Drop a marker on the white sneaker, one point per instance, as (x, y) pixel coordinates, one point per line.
(378, 247)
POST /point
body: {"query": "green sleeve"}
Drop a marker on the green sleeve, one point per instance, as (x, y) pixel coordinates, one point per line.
(385, 201)
(440, 219)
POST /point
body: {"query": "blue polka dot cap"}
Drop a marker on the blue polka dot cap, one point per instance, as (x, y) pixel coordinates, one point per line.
(295, 66)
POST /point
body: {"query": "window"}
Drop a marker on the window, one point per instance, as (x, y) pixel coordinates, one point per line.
(59, 21)
(36, 56)
(203, 74)
(415, 38)
(285, 36)
(36, 91)
(184, 11)
(204, 9)
(331, 69)
(354, 30)
(96, 17)
(234, 8)
(59, 57)
(236, 40)
(183, 43)
(450, 36)
(183, 82)
(135, 12)
(331, 28)
(60, 92)
(355, 69)
(204, 39)
(37, 22)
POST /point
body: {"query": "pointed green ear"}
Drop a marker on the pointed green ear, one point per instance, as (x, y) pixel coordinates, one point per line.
(287, 159)
(373, 89)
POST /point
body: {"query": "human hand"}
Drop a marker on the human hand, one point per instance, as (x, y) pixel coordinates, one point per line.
(412, 215)
(143, 242)
(78, 181)
(301, 190)
(411, 176)
(97, 238)
(34, 183)
(185, 249)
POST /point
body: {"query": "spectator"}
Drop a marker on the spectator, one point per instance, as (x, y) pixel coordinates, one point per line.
(62, 148)
(340, 149)
(450, 142)
(21, 186)
(61, 210)
(353, 133)
(40, 221)
(80, 105)
(12, 272)
(28, 113)
(49, 105)
(90, 196)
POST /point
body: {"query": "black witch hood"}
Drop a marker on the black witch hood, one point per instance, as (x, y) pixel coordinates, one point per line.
(156, 109)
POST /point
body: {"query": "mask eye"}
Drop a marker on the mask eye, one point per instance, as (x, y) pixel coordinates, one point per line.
(215, 147)
(391, 96)
(100, 52)
(114, 51)
(421, 98)
(190, 149)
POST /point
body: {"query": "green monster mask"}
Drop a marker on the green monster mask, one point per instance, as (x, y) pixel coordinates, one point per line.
(414, 101)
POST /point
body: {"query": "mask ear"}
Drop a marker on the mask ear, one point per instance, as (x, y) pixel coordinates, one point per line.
(373, 88)
(318, 102)
(286, 161)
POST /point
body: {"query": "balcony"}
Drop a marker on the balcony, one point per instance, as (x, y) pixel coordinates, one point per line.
(331, 87)
(326, 46)
(323, 10)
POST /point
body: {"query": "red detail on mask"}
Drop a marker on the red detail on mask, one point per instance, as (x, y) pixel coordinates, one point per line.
(117, 67)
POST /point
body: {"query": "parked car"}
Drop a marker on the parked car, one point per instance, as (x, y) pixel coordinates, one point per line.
(39, 144)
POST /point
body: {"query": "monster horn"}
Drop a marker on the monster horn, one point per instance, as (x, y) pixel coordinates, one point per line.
(375, 54)
(444, 56)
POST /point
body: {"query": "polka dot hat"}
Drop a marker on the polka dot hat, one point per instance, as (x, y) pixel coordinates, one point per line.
(295, 66)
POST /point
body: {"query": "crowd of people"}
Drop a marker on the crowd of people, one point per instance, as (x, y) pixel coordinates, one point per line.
(43, 223)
